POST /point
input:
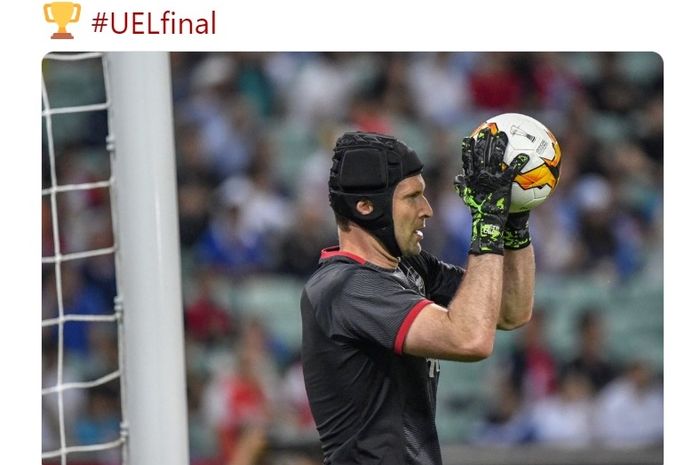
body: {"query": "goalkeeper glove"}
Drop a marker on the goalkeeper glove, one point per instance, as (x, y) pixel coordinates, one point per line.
(485, 188)
(517, 233)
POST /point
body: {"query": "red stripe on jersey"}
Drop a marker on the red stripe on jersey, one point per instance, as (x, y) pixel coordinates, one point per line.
(407, 322)
(335, 251)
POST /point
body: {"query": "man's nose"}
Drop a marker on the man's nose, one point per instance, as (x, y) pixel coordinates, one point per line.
(428, 210)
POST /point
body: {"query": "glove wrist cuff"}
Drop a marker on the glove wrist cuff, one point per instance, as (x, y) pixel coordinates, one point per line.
(487, 234)
(516, 235)
(516, 240)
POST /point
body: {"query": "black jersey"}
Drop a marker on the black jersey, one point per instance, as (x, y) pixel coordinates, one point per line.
(372, 403)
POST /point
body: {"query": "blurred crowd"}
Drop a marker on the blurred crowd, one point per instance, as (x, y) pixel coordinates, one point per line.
(587, 400)
(254, 133)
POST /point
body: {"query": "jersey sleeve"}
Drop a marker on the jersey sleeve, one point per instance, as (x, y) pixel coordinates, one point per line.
(373, 307)
(441, 279)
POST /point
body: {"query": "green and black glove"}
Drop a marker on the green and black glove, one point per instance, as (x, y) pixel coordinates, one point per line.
(485, 188)
(517, 233)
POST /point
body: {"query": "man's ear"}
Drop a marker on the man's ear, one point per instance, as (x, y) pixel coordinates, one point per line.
(364, 206)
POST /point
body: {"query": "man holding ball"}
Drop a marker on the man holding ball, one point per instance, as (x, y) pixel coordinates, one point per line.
(379, 312)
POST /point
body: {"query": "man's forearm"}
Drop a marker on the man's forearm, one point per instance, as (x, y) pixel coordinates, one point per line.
(475, 308)
(465, 330)
(518, 288)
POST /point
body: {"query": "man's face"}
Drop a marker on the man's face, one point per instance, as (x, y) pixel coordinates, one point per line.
(410, 210)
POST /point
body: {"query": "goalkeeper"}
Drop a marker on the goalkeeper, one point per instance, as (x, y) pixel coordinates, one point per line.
(379, 312)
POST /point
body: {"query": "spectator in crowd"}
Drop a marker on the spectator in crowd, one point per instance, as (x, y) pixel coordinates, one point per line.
(78, 298)
(298, 249)
(197, 178)
(629, 410)
(100, 422)
(74, 400)
(438, 86)
(248, 412)
(590, 359)
(507, 421)
(295, 418)
(533, 370)
(206, 321)
(229, 244)
(495, 84)
(565, 418)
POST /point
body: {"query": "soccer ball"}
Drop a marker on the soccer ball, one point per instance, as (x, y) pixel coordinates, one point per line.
(540, 175)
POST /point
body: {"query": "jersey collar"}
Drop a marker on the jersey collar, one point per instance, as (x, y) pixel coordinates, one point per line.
(335, 251)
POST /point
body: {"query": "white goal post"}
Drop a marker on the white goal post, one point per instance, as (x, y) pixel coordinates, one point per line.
(148, 257)
(148, 304)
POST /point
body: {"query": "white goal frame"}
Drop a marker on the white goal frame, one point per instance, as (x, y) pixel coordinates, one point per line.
(148, 257)
(148, 304)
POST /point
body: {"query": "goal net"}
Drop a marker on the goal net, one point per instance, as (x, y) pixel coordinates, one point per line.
(112, 346)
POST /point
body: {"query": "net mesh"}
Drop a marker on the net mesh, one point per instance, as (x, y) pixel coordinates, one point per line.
(82, 417)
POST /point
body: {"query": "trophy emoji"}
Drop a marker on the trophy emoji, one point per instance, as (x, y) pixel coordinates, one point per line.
(62, 13)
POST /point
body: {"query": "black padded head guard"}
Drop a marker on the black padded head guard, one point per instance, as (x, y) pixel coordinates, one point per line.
(369, 166)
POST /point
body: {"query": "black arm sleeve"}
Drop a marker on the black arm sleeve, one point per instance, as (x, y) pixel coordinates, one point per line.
(372, 307)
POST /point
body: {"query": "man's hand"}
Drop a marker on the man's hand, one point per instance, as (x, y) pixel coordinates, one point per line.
(485, 188)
